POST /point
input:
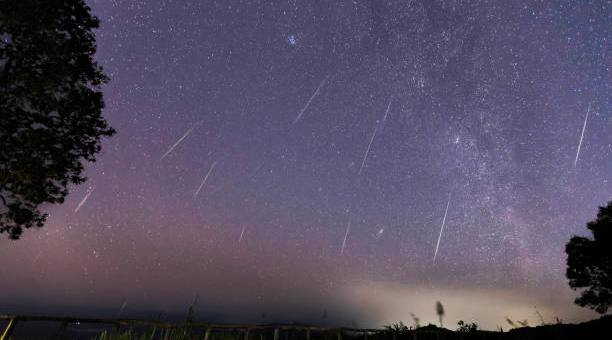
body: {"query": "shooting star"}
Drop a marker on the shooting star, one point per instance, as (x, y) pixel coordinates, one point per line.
(123, 307)
(367, 151)
(242, 233)
(37, 256)
(441, 229)
(177, 143)
(388, 107)
(83, 200)
(310, 100)
(348, 227)
(204, 180)
(582, 135)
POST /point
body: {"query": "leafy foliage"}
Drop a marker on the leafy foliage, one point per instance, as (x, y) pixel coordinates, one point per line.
(465, 327)
(589, 263)
(50, 104)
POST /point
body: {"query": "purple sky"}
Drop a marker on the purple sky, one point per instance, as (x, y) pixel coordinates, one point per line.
(315, 113)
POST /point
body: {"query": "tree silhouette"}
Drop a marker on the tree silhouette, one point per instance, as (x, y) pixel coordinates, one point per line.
(50, 106)
(589, 263)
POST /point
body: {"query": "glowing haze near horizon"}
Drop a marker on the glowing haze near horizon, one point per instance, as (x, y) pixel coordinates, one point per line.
(484, 101)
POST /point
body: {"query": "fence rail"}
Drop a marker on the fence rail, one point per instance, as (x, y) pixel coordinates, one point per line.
(14, 319)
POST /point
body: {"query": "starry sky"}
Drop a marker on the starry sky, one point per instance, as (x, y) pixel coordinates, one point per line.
(297, 160)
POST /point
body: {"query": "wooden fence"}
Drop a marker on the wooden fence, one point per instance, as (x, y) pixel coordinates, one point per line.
(592, 330)
(116, 323)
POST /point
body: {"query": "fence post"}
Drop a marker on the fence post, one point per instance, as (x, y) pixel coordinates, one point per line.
(207, 334)
(275, 334)
(246, 333)
(340, 334)
(394, 335)
(365, 335)
(9, 329)
(308, 334)
(60, 332)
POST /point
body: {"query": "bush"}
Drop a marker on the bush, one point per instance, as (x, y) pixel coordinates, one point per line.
(467, 327)
(397, 328)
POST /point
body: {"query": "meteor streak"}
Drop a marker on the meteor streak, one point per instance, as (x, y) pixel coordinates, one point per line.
(175, 144)
(348, 227)
(37, 256)
(83, 200)
(387, 112)
(242, 233)
(582, 135)
(441, 229)
(310, 100)
(204, 180)
(123, 306)
(367, 151)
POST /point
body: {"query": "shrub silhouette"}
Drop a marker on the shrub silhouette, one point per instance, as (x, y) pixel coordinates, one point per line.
(398, 328)
(465, 327)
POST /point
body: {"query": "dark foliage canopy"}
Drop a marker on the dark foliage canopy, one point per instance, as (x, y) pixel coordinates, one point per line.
(50, 106)
(589, 263)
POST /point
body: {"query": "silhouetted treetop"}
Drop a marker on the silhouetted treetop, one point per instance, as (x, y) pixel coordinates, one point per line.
(589, 263)
(50, 105)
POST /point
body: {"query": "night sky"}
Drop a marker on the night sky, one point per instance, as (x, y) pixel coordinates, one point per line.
(297, 160)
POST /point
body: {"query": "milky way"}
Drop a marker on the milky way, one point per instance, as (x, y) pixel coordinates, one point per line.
(484, 99)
